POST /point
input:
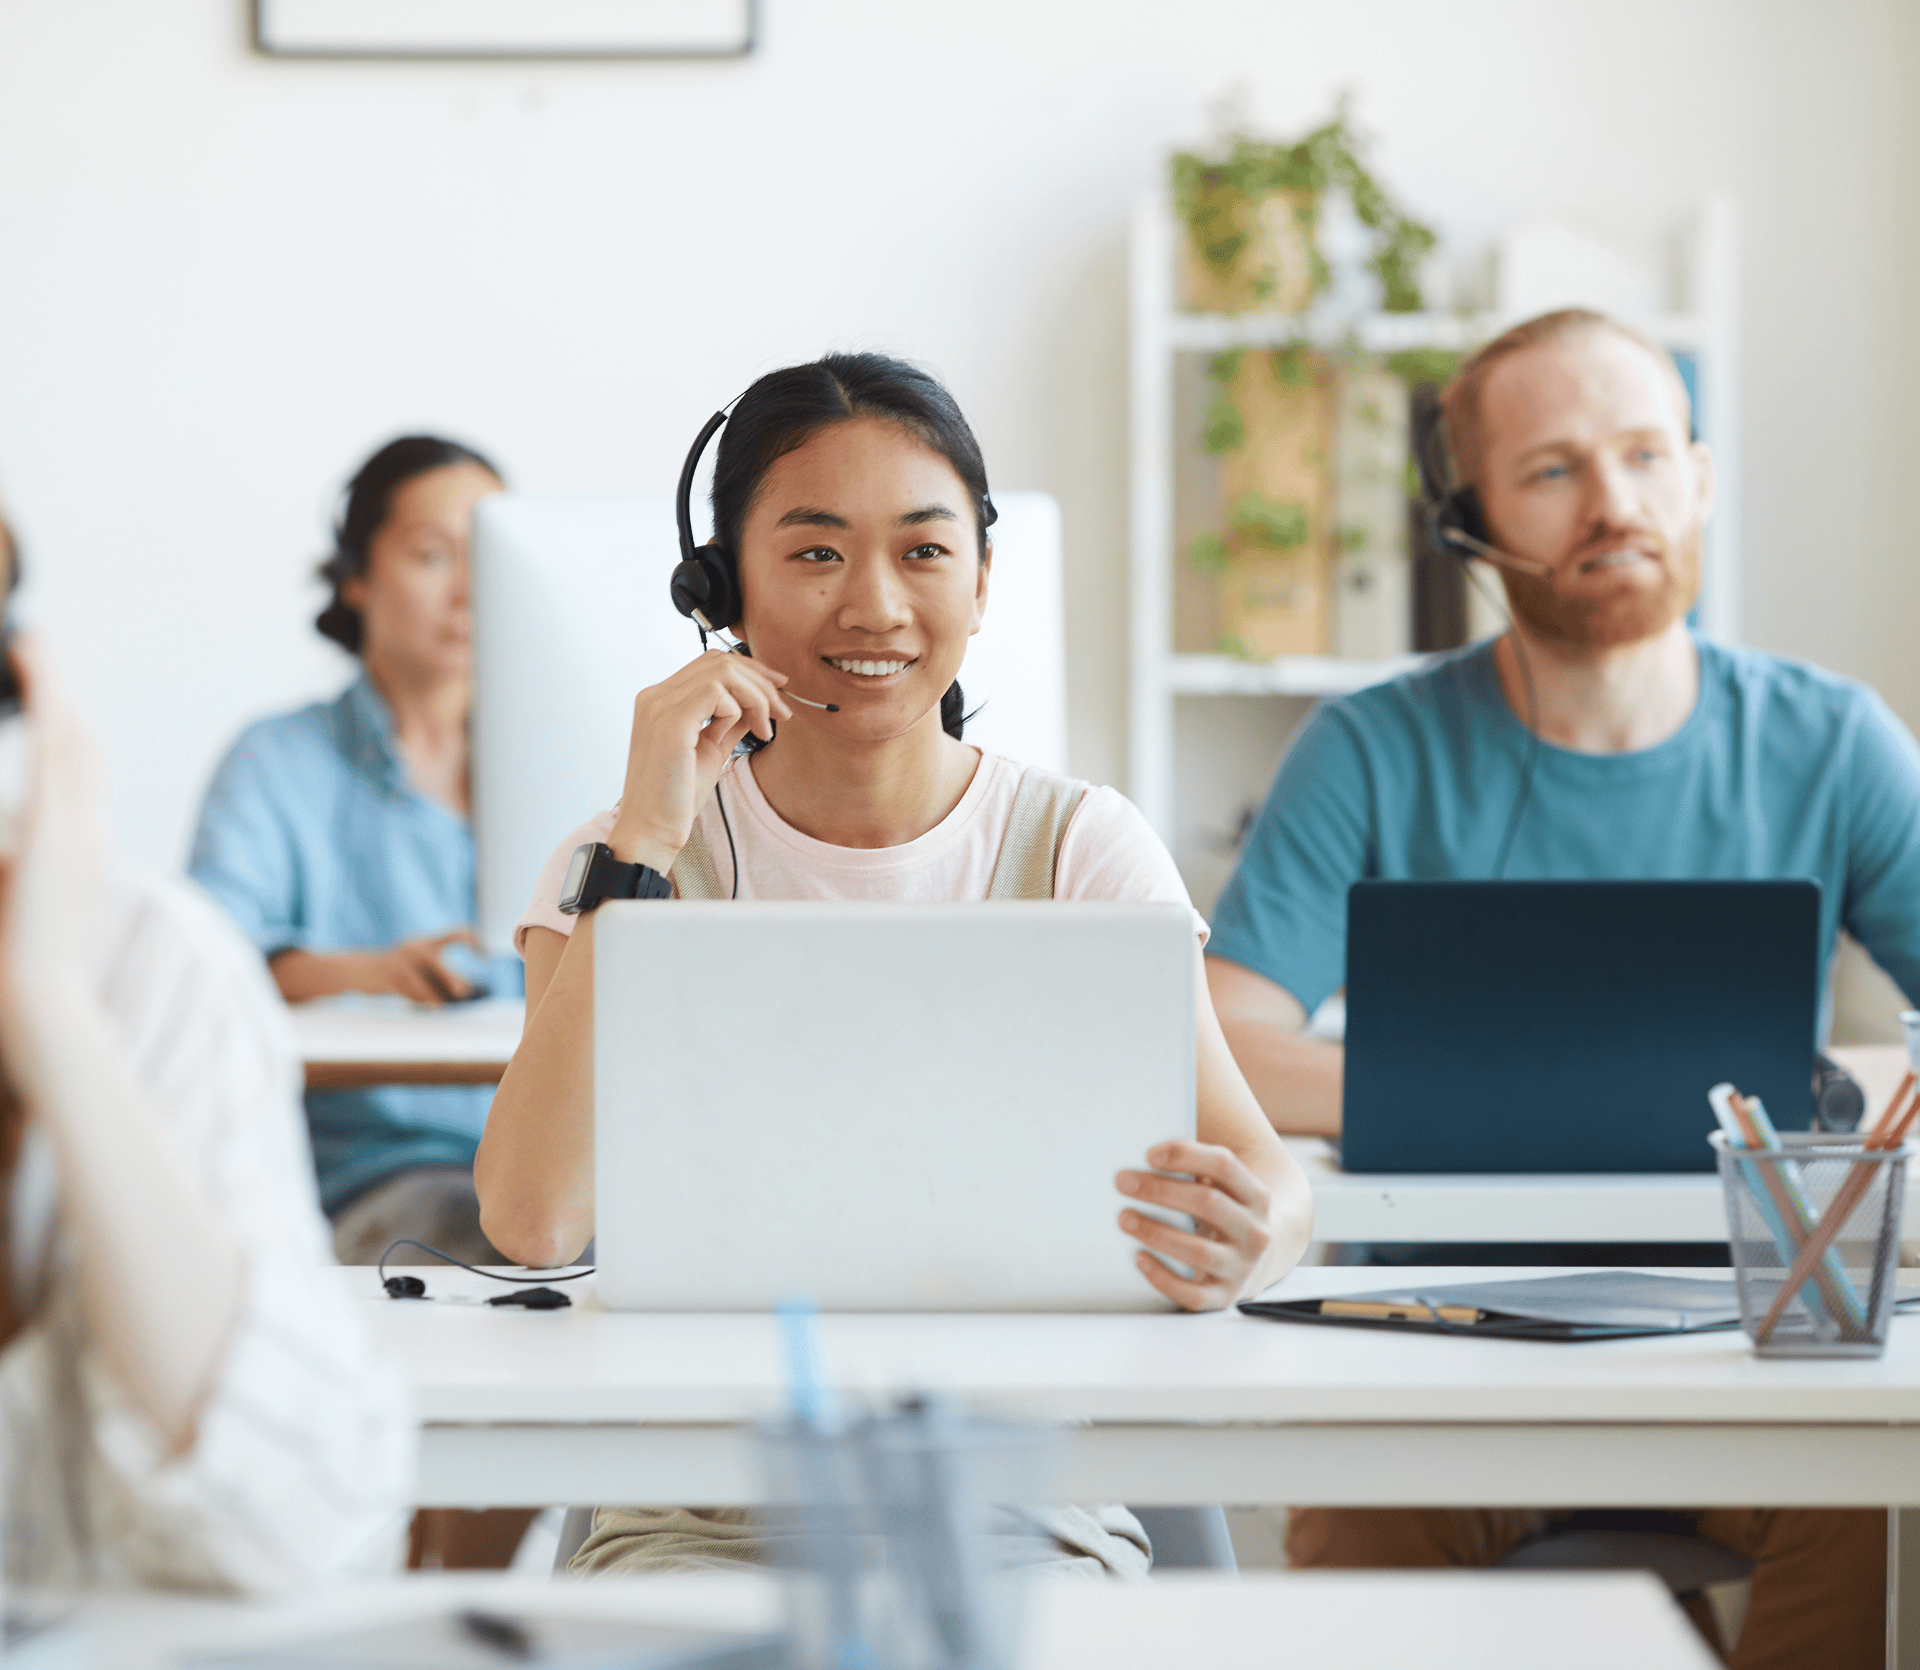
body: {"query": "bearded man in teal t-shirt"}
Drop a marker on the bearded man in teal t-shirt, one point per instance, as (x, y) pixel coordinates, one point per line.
(1657, 755)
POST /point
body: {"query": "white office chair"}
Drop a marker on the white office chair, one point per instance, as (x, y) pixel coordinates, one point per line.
(1189, 1539)
(573, 1532)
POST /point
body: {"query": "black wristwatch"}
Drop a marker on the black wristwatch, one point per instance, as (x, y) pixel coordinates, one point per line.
(595, 874)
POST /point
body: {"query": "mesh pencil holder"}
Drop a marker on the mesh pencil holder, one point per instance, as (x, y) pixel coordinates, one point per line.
(895, 1540)
(1779, 1200)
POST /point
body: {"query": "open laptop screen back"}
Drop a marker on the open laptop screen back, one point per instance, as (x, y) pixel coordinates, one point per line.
(882, 1106)
(1571, 1026)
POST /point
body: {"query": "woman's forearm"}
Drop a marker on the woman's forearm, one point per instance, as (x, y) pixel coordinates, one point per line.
(1291, 1217)
(302, 975)
(534, 1170)
(161, 1277)
(1230, 1115)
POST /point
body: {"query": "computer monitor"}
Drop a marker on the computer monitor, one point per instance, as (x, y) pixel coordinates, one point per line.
(571, 619)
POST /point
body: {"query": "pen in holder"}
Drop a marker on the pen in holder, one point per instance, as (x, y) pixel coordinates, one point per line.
(889, 1529)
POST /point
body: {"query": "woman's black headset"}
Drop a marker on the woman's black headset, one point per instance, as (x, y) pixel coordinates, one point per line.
(706, 580)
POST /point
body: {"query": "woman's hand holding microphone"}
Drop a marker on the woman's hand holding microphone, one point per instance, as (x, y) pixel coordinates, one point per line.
(685, 729)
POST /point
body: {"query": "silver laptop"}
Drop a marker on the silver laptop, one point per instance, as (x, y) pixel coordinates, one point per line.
(883, 1107)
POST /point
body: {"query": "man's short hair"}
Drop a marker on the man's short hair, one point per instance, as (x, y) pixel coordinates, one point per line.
(1460, 400)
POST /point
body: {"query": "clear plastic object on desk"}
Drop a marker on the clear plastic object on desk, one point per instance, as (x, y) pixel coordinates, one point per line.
(894, 1532)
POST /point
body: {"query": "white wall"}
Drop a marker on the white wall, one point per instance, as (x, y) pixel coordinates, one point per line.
(223, 278)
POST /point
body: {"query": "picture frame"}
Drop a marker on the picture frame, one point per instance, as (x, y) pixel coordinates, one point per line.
(504, 29)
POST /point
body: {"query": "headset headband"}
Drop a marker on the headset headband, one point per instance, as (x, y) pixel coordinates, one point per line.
(683, 501)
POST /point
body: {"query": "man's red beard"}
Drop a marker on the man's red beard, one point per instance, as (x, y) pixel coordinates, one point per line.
(1607, 618)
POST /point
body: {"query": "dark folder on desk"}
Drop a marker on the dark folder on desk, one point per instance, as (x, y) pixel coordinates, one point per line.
(1591, 1304)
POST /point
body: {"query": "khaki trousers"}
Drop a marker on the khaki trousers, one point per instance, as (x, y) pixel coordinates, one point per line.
(434, 1204)
(1819, 1595)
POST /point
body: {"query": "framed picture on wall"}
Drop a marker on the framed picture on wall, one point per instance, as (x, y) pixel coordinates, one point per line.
(504, 28)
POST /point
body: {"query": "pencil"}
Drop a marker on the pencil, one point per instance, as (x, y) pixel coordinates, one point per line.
(1796, 1215)
(1880, 1139)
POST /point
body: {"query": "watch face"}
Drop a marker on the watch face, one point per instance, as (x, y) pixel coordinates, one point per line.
(576, 877)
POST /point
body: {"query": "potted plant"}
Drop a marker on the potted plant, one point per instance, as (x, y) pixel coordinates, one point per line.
(1252, 213)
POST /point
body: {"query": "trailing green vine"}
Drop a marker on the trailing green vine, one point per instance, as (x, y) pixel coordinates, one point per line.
(1269, 524)
(1417, 367)
(1217, 200)
(1223, 429)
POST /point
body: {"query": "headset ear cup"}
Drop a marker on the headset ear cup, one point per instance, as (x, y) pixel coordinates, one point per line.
(1454, 514)
(1463, 512)
(705, 582)
(689, 585)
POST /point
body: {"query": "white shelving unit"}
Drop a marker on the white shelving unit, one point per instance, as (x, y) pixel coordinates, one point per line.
(1159, 331)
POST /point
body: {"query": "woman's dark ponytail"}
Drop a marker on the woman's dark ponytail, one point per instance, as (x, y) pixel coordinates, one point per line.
(953, 711)
(369, 498)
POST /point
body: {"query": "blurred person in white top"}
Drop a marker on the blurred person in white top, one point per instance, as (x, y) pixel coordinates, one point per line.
(186, 1397)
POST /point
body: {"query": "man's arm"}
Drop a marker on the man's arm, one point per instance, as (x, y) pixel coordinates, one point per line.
(1296, 1079)
(1279, 943)
(1880, 904)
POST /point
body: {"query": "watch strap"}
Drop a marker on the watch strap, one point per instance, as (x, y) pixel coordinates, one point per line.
(608, 877)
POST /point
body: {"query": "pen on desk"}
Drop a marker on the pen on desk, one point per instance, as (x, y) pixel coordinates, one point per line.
(503, 1635)
(1380, 1310)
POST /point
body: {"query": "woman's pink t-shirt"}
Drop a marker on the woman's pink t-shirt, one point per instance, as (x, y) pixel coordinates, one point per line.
(1110, 853)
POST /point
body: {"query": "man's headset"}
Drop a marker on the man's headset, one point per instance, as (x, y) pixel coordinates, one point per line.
(1456, 525)
(1455, 521)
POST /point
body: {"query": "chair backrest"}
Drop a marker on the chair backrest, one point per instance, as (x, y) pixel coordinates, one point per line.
(571, 619)
(575, 1528)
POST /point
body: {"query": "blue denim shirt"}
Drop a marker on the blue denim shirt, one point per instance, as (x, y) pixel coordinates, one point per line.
(312, 838)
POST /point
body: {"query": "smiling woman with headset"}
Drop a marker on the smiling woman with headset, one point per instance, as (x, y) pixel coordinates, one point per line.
(851, 557)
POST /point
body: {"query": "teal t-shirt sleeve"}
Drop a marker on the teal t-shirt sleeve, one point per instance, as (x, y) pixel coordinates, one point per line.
(242, 852)
(1882, 906)
(1284, 911)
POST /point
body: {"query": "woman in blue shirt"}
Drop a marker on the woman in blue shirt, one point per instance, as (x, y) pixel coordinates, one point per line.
(337, 837)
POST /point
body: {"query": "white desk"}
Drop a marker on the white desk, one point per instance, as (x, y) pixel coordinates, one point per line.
(348, 1043)
(1443, 1208)
(1371, 1621)
(584, 1405)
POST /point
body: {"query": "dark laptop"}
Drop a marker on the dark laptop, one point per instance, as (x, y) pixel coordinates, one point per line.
(1571, 1025)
